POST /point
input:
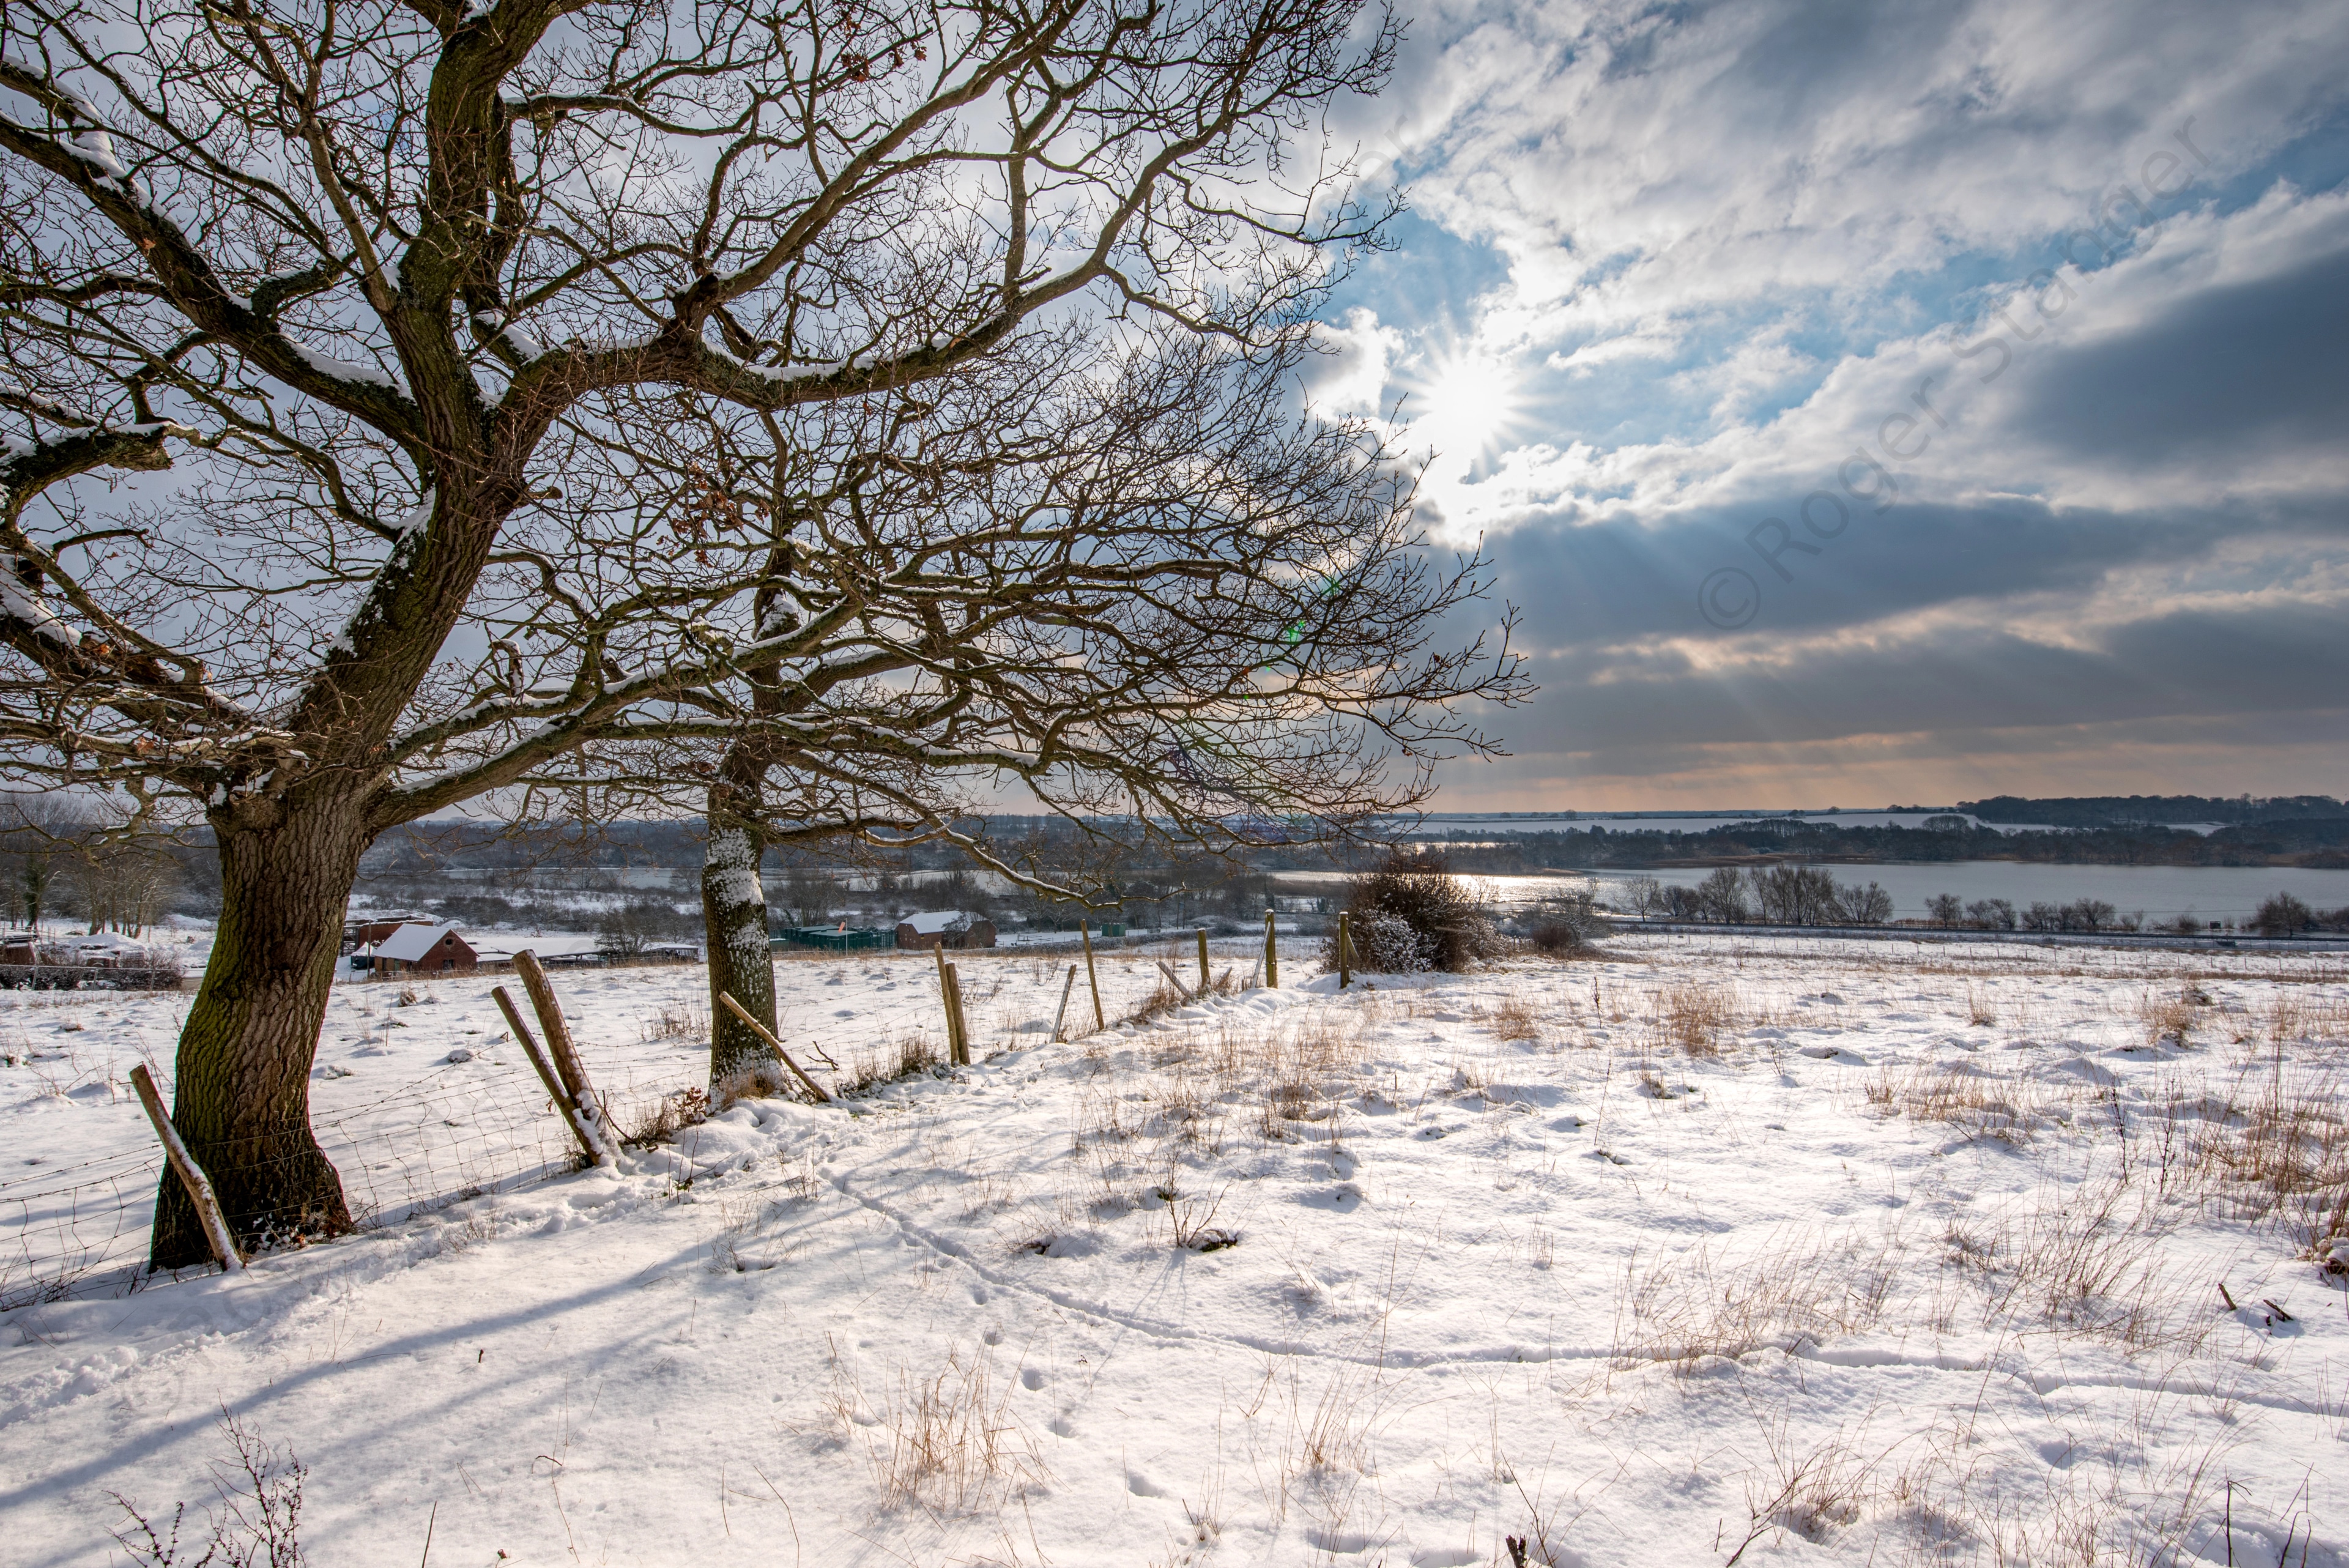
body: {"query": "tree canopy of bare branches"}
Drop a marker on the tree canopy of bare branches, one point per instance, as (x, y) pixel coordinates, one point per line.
(323, 321)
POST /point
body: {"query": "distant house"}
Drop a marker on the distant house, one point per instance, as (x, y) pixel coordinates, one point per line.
(426, 950)
(946, 929)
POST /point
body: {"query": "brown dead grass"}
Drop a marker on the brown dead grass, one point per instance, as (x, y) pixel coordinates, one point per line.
(1512, 1018)
(1693, 1017)
(1979, 1103)
(945, 1440)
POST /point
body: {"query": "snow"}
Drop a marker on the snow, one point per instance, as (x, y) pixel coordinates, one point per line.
(929, 922)
(342, 370)
(16, 603)
(1868, 1252)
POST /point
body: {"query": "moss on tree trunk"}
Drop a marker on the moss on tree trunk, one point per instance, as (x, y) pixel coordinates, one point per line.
(242, 1094)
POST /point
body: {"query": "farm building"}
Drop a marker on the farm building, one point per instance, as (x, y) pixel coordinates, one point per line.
(946, 929)
(424, 950)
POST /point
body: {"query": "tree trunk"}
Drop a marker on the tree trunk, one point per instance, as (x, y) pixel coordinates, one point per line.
(241, 1099)
(734, 912)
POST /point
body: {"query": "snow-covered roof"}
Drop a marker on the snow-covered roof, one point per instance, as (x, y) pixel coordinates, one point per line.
(109, 940)
(931, 921)
(410, 943)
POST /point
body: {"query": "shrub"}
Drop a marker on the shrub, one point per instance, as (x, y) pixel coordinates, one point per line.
(1411, 913)
(2282, 915)
(1945, 910)
(259, 1521)
(1384, 944)
(1567, 924)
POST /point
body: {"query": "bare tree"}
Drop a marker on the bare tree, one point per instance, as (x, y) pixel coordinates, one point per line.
(347, 269)
(121, 880)
(38, 835)
(1124, 578)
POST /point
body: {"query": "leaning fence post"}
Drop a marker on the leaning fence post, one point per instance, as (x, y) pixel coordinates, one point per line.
(566, 1054)
(1345, 953)
(1271, 956)
(1067, 986)
(191, 1175)
(1093, 981)
(564, 1104)
(946, 1002)
(1180, 989)
(742, 1013)
(961, 1019)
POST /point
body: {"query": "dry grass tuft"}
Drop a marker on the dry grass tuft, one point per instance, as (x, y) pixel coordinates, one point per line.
(1683, 1309)
(677, 1018)
(1693, 1017)
(1811, 1492)
(2175, 1020)
(2322, 1020)
(2281, 1154)
(669, 1115)
(909, 1053)
(1512, 1018)
(945, 1441)
(1978, 1103)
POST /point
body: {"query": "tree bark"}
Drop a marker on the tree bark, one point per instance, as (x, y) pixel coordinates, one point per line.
(242, 1098)
(734, 913)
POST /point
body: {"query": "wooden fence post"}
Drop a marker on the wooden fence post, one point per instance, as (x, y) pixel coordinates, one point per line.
(961, 1019)
(565, 1053)
(1093, 981)
(1067, 986)
(818, 1090)
(946, 1002)
(191, 1175)
(1175, 980)
(564, 1104)
(1345, 952)
(1203, 958)
(1271, 956)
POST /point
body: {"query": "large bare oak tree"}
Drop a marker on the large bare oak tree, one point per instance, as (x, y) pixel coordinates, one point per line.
(364, 278)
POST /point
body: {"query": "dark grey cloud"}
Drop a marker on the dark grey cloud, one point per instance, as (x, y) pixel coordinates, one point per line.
(2233, 373)
(1598, 584)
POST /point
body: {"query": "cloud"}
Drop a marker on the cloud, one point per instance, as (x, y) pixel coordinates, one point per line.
(1805, 293)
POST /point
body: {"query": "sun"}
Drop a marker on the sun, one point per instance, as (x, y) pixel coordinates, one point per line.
(1464, 409)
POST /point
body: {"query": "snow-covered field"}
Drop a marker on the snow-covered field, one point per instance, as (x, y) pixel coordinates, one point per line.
(1709, 1250)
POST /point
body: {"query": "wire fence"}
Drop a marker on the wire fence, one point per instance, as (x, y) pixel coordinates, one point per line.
(480, 1121)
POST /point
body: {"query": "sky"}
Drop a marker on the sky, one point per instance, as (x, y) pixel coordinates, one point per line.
(1878, 403)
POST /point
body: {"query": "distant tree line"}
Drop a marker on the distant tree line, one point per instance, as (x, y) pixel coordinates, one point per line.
(2311, 842)
(1778, 895)
(2115, 810)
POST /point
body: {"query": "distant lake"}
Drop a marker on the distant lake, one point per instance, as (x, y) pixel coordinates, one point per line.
(2159, 892)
